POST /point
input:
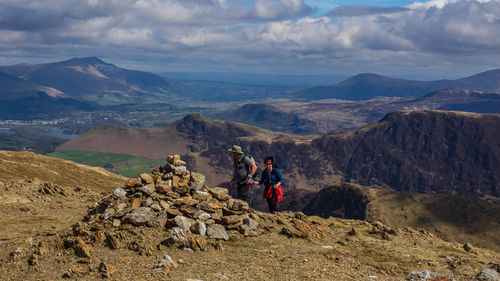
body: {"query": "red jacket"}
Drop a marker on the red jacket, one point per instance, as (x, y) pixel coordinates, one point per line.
(268, 192)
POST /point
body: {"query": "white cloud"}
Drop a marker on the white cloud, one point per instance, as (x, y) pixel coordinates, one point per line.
(260, 31)
(432, 4)
(364, 10)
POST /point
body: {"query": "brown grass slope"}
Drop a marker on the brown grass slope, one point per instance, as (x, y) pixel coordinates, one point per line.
(320, 249)
(451, 217)
(27, 165)
(39, 194)
(152, 143)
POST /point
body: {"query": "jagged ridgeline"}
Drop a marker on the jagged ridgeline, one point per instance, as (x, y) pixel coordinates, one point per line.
(423, 151)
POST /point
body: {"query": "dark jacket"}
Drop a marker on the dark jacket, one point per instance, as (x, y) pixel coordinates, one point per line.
(271, 178)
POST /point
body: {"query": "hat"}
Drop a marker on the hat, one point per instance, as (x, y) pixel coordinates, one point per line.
(236, 148)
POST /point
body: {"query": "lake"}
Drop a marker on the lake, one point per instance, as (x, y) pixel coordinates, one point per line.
(58, 133)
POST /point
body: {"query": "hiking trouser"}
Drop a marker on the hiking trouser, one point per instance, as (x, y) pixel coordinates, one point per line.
(243, 191)
(272, 202)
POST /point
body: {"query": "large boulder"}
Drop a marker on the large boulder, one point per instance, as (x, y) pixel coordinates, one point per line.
(196, 181)
(141, 216)
(217, 231)
(220, 193)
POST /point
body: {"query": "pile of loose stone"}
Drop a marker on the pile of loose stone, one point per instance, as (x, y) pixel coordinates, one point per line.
(172, 207)
(172, 197)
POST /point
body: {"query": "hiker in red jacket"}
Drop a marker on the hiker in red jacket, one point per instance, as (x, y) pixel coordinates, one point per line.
(272, 179)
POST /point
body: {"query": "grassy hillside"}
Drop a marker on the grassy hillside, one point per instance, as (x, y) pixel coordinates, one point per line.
(451, 217)
(193, 135)
(123, 164)
(28, 165)
(152, 143)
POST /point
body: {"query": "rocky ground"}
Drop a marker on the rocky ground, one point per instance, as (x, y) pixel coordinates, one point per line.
(168, 225)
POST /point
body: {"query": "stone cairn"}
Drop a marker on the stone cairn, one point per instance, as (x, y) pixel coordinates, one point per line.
(172, 207)
(170, 198)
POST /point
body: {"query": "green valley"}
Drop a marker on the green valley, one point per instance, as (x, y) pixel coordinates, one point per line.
(123, 164)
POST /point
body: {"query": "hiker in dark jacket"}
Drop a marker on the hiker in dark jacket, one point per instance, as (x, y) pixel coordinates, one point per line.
(272, 179)
(244, 170)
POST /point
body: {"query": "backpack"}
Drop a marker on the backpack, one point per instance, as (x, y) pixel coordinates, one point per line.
(248, 166)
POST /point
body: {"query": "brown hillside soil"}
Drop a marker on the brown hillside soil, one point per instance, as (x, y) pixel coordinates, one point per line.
(152, 143)
(371, 252)
(53, 239)
(40, 194)
(451, 217)
(32, 207)
(28, 165)
(455, 218)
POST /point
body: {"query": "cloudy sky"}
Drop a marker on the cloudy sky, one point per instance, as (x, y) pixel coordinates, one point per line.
(418, 40)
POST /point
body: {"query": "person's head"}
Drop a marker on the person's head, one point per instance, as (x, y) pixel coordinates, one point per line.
(236, 151)
(269, 161)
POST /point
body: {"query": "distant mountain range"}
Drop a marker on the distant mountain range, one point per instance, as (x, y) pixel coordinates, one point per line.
(91, 78)
(284, 80)
(327, 115)
(94, 80)
(21, 99)
(79, 84)
(366, 86)
(86, 84)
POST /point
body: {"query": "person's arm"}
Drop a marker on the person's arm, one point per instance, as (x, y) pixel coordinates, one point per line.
(280, 177)
(261, 178)
(253, 169)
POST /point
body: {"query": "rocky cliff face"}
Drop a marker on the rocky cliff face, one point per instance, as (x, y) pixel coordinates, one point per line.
(344, 201)
(426, 151)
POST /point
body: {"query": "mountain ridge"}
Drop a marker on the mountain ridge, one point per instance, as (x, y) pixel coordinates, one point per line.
(88, 78)
(124, 83)
(368, 85)
(403, 151)
(94, 75)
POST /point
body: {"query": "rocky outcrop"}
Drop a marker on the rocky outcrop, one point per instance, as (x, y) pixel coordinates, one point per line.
(344, 201)
(173, 199)
(429, 151)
